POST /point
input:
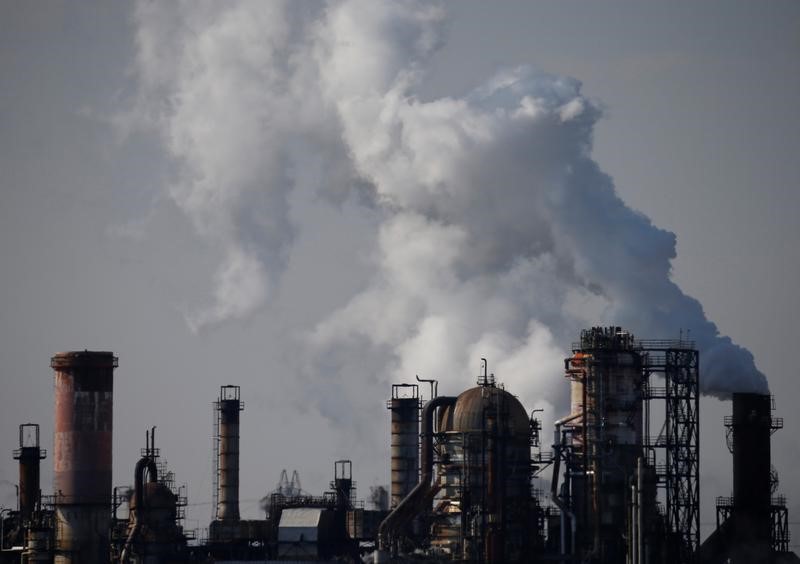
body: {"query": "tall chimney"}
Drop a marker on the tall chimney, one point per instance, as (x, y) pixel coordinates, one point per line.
(29, 455)
(84, 412)
(751, 426)
(228, 407)
(404, 406)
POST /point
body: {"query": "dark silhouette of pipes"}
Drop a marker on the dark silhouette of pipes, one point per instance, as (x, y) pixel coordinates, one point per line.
(148, 464)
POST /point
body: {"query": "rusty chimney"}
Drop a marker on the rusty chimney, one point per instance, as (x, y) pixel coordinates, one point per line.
(228, 407)
(404, 406)
(84, 401)
(29, 455)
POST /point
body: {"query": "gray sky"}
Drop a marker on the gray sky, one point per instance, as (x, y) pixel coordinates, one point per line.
(700, 133)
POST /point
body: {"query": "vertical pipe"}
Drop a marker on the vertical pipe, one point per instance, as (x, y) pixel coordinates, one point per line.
(493, 546)
(84, 399)
(639, 511)
(228, 408)
(563, 507)
(585, 491)
(632, 557)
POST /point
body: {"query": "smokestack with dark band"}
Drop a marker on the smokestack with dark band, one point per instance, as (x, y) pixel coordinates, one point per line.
(228, 407)
(84, 394)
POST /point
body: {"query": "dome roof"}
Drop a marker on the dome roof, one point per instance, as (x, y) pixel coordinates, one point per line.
(468, 413)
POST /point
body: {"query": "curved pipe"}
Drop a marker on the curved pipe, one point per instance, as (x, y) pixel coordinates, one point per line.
(565, 510)
(434, 385)
(409, 507)
(148, 464)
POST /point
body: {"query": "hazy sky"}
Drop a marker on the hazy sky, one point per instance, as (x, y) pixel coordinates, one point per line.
(112, 238)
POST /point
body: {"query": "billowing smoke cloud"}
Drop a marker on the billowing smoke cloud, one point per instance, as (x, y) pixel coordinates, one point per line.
(228, 87)
(499, 235)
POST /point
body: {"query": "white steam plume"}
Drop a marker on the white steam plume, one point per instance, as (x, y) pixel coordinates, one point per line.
(228, 87)
(500, 235)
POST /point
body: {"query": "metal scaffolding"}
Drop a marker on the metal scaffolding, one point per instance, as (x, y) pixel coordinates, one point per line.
(678, 468)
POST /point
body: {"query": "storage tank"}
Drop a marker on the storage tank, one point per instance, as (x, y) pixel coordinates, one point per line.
(487, 498)
(84, 394)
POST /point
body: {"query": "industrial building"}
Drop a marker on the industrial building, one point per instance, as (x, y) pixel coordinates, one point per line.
(472, 477)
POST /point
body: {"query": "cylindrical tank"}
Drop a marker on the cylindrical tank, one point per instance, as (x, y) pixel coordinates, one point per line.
(84, 392)
(488, 436)
(228, 408)
(29, 455)
(404, 407)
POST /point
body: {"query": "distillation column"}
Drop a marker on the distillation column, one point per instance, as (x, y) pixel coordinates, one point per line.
(603, 435)
(228, 407)
(84, 401)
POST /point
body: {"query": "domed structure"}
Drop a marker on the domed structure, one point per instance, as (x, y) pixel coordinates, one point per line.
(485, 501)
(476, 405)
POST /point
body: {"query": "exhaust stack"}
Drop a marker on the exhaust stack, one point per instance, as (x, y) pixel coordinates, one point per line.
(751, 427)
(405, 409)
(752, 526)
(228, 407)
(84, 413)
(29, 455)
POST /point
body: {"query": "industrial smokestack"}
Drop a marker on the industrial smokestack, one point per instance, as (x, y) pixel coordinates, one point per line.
(228, 407)
(404, 406)
(29, 455)
(84, 401)
(343, 483)
(751, 528)
(751, 426)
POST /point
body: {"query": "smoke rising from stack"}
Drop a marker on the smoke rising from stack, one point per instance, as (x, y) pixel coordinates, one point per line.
(498, 235)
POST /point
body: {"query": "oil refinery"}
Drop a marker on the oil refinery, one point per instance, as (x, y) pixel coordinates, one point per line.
(474, 477)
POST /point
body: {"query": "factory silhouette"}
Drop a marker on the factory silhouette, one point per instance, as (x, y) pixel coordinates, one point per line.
(474, 477)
